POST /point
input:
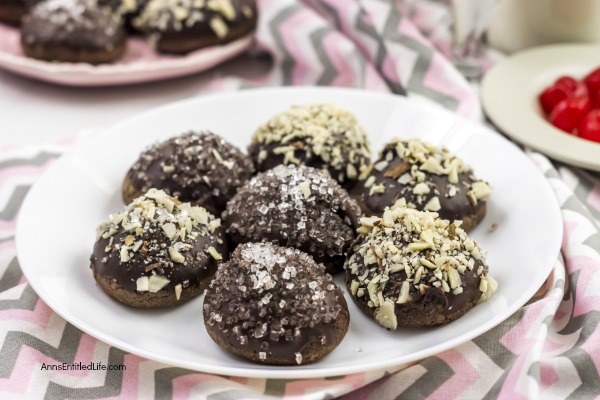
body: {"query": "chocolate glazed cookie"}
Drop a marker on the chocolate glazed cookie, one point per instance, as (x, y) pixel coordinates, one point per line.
(12, 11)
(296, 207)
(416, 174)
(413, 269)
(181, 26)
(199, 167)
(158, 252)
(275, 305)
(72, 31)
(322, 136)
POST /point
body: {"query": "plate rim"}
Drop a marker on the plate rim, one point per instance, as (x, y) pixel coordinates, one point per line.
(87, 75)
(548, 139)
(284, 372)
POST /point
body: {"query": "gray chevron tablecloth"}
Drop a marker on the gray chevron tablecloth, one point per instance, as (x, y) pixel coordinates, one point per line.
(548, 349)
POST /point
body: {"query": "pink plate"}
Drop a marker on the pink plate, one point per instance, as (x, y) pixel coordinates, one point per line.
(141, 63)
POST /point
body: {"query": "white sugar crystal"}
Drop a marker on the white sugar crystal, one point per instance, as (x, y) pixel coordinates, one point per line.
(263, 209)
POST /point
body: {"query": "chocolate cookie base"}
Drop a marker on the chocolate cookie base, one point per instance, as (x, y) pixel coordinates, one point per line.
(420, 315)
(11, 13)
(311, 351)
(470, 221)
(160, 299)
(62, 53)
(128, 191)
(185, 42)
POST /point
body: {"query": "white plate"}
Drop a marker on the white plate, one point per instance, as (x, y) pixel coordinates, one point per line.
(510, 98)
(56, 230)
(140, 63)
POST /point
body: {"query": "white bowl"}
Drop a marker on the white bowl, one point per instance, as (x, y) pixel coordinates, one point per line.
(510, 98)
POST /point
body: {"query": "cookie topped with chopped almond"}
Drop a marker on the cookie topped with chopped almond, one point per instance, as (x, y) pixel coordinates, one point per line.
(412, 268)
(158, 251)
(416, 174)
(322, 136)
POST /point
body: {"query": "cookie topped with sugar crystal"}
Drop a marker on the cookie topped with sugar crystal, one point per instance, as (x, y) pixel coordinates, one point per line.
(275, 305)
(295, 206)
(72, 31)
(197, 166)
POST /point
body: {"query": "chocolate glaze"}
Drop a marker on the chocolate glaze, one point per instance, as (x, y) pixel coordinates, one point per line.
(11, 11)
(77, 24)
(108, 265)
(271, 207)
(197, 175)
(302, 315)
(22, 3)
(449, 302)
(453, 208)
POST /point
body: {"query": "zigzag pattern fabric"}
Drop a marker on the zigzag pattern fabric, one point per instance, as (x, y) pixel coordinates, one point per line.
(548, 349)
